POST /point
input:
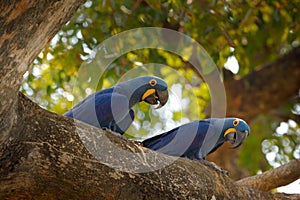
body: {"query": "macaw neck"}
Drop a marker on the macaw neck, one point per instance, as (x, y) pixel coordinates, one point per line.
(219, 124)
(131, 91)
(221, 140)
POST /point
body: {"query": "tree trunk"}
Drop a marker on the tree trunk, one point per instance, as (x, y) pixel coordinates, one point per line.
(26, 27)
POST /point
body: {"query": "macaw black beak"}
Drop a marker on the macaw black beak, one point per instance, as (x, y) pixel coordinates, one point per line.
(236, 138)
(163, 97)
(155, 96)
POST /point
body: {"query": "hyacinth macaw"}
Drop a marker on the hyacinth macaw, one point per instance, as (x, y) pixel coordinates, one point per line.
(197, 139)
(111, 108)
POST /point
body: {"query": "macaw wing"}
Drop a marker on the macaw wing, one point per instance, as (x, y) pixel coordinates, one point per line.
(160, 140)
(193, 151)
(124, 124)
(85, 110)
(91, 97)
(174, 142)
(212, 138)
(104, 109)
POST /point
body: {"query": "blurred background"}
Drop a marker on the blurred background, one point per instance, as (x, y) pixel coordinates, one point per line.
(241, 37)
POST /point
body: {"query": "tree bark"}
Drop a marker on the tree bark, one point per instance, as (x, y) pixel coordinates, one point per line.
(26, 27)
(46, 159)
(274, 178)
(264, 89)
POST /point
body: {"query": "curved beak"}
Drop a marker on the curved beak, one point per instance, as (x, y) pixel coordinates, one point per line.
(157, 96)
(236, 138)
(163, 97)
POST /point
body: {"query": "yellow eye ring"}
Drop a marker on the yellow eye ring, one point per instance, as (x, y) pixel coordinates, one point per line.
(152, 82)
(236, 122)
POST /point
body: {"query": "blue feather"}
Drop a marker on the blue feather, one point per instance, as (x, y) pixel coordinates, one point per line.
(195, 140)
(111, 108)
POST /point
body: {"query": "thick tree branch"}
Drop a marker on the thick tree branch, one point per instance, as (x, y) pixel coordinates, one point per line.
(46, 159)
(274, 178)
(264, 89)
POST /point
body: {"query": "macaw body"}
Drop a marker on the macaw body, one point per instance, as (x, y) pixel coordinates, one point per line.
(111, 108)
(197, 139)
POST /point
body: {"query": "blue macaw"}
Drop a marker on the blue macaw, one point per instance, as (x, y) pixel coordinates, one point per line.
(111, 108)
(197, 139)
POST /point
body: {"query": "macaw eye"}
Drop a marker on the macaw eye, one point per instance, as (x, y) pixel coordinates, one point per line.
(153, 82)
(236, 122)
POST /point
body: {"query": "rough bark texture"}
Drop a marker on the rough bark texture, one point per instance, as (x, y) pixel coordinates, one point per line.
(44, 158)
(26, 27)
(274, 178)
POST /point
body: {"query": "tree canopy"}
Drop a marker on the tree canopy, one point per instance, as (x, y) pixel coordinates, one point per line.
(253, 33)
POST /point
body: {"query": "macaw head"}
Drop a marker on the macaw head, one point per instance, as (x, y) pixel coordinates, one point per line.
(150, 89)
(236, 131)
(156, 91)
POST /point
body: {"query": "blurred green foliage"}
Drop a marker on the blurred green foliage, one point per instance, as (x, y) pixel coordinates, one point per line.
(254, 32)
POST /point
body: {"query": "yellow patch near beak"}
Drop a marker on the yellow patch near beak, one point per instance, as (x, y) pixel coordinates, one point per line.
(148, 93)
(229, 131)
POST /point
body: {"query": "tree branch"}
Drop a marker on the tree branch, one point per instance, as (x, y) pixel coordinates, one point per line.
(274, 178)
(264, 89)
(45, 159)
(287, 196)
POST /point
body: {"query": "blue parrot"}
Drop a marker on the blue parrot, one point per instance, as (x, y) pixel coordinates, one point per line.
(111, 108)
(197, 139)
